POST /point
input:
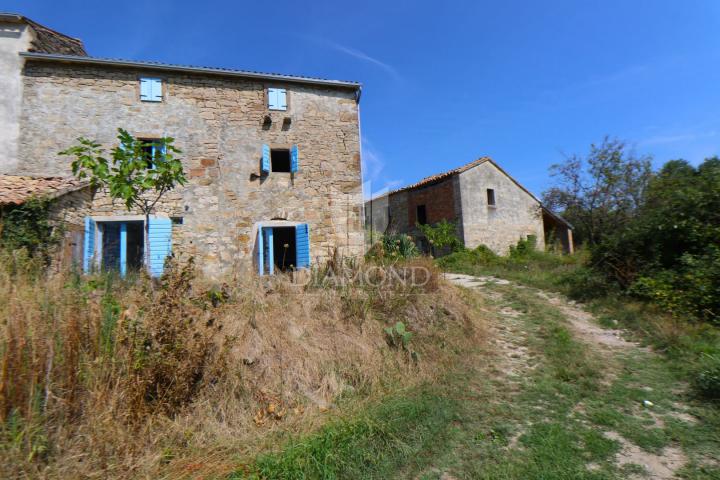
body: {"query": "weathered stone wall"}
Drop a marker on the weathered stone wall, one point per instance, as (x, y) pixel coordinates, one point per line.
(516, 214)
(218, 123)
(14, 38)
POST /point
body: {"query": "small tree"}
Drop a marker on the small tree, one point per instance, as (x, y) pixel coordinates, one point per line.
(441, 235)
(601, 192)
(137, 174)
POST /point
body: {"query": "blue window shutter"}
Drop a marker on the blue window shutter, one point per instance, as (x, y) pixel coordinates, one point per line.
(269, 253)
(277, 98)
(145, 89)
(294, 159)
(156, 90)
(272, 98)
(260, 251)
(266, 159)
(302, 246)
(160, 243)
(151, 89)
(89, 250)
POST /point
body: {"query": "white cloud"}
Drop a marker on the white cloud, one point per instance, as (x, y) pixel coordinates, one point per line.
(355, 53)
(684, 137)
(375, 180)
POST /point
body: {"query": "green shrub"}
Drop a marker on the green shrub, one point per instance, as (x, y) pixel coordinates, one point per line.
(27, 227)
(584, 283)
(692, 288)
(524, 247)
(394, 246)
(707, 377)
(442, 237)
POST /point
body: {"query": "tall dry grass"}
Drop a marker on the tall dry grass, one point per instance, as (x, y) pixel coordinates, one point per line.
(127, 379)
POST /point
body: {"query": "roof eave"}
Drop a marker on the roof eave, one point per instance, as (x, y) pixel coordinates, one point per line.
(189, 69)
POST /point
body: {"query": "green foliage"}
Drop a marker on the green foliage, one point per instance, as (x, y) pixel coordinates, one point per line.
(441, 236)
(398, 336)
(373, 445)
(601, 192)
(132, 175)
(670, 252)
(707, 377)
(394, 246)
(137, 174)
(524, 247)
(28, 227)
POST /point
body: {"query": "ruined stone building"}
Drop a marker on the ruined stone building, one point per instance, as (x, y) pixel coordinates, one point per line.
(487, 206)
(273, 160)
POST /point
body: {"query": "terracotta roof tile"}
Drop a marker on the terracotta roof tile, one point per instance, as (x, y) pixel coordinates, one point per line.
(15, 189)
(441, 176)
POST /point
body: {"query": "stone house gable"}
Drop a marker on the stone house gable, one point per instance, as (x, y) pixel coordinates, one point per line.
(487, 205)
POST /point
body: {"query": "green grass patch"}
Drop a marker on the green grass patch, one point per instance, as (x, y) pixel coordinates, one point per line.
(372, 445)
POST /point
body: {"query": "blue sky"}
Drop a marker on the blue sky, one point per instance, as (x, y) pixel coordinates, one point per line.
(447, 82)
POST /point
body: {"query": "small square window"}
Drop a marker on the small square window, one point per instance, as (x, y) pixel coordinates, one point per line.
(277, 98)
(280, 160)
(151, 89)
(421, 214)
(491, 197)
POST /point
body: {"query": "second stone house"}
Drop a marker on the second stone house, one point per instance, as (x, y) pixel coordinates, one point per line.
(486, 204)
(273, 160)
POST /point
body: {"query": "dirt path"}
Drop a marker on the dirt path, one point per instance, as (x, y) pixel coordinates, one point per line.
(661, 465)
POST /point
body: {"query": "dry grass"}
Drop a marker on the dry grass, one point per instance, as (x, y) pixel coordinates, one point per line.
(129, 380)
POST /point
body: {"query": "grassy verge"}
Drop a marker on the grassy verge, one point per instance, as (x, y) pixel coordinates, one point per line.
(373, 444)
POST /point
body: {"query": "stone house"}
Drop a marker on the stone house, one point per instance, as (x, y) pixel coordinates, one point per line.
(273, 160)
(486, 204)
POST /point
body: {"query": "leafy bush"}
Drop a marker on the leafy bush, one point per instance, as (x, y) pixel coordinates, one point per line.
(584, 283)
(394, 246)
(707, 377)
(442, 237)
(524, 247)
(28, 227)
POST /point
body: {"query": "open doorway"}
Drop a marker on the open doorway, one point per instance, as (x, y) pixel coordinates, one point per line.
(284, 248)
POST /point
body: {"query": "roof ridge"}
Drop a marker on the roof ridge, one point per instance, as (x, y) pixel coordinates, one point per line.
(442, 175)
(188, 68)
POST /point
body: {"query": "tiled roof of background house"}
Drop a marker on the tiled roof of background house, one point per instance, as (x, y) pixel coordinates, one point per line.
(441, 176)
(46, 39)
(16, 189)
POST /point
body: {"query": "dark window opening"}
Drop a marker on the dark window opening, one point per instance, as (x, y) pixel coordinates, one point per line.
(284, 251)
(135, 245)
(491, 197)
(280, 160)
(152, 148)
(421, 215)
(111, 245)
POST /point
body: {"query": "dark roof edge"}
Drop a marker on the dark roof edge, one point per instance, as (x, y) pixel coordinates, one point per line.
(189, 69)
(16, 17)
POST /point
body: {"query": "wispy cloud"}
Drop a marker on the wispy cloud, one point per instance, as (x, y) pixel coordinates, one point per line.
(375, 179)
(683, 137)
(355, 53)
